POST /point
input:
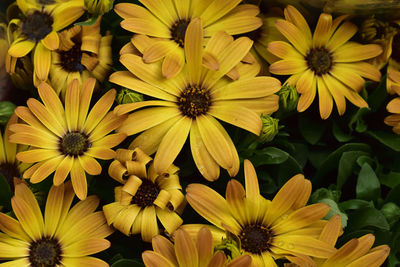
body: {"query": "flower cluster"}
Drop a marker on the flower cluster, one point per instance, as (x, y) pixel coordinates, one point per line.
(204, 90)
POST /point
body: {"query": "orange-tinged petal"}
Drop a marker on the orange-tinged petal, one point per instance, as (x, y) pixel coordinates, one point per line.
(250, 176)
(53, 209)
(173, 63)
(185, 250)
(90, 165)
(194, 49)
(351, 52)
(153, 259)
(63, 170)
(146, 26)
(294, 16)
(86, 247)
(284, 50)
(288, 66)
(211, 205)
(164, 247)
(149, 223)
(204, 161)
(42, 61)
(47, 168)
(294, 35)
(325, 99)
(51, 41)
(172, 144)
(341, 36)
(158, 50)
(78, 178)
(331, 231)
(322, 31)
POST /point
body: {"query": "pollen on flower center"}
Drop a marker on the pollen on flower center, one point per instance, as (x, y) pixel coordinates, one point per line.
(194, 101)
(146, 194)
(71, 59)
(45, 252)
(319, 60)
(178, 30)
(74, 144)
(37, 25)
(255, 238)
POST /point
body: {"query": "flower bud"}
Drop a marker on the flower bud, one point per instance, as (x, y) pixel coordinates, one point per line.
(288, 97)
(98, 7)
(125, 96)
(269, 129)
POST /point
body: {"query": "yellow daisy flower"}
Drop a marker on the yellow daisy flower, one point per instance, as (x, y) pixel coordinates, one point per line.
(66, 139)
(167, 22)
(356, 252)
(3, 54)
(387, 34)
(190, 102)
(38, 31)
(63, 237)
(394, 119)
(186, 253)
(267, 230)
(325, 61)
(144, 197)
(83, 53)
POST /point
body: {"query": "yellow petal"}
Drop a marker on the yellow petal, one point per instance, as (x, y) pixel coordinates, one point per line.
(42, 61)
(21, 47)
(51, 41)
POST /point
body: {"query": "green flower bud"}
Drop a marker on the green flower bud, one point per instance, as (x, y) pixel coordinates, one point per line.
(269, 129)
(6, 110)
(125, 96)
(392, 212)
(229, 246)
(98, 7)
(288, 97)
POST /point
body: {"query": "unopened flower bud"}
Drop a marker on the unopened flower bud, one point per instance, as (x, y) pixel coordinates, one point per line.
(98, 7)
(288, 97)
(125, 96)
(269, 129)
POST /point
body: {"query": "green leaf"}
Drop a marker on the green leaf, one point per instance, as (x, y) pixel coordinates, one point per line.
(269, 155)
(355, 204)
(5, 192)
(357, 121)
(391, 179)
(378, 96)
(346, 165)
(88, 22)
(310, 130)
(390, 140)
(334, 209)
(6, 110)
(322, 193)
(368, 186)
(127, 263)
(331, 162)
(368, 217)
(339, 134)
(394, 195)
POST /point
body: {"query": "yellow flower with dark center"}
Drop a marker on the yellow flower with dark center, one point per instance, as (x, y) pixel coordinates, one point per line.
(186, 253)
(11, 167)
(394, 119)
(167, 21)
(38, 31)
(62, 237)
(190, 102)
(83, 53)
(66, 139)
(325, 61)
(144, 197)
(387, 34)
(267, 230)
(356, 252)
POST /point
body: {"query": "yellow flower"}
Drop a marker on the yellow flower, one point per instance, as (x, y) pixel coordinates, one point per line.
(38, 31)
(144, 197)
(66, 139)
(63, 237)
(387, 34)
(99, 7)
(166, 22)
(394, 119)
(267, 230)
(83, 53)
(190, 102)
(325, 61)
(11, 167)
(357, 252)
(186, 253)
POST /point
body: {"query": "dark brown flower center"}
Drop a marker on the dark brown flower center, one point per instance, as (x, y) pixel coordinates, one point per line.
(45, 252)
(396, 47)
(194, 101)
(37, 25)
(146, 194)
(71, 59)
(74, 144)
(256, 238)
(9, 171)
(319, 60)
(178, 31)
